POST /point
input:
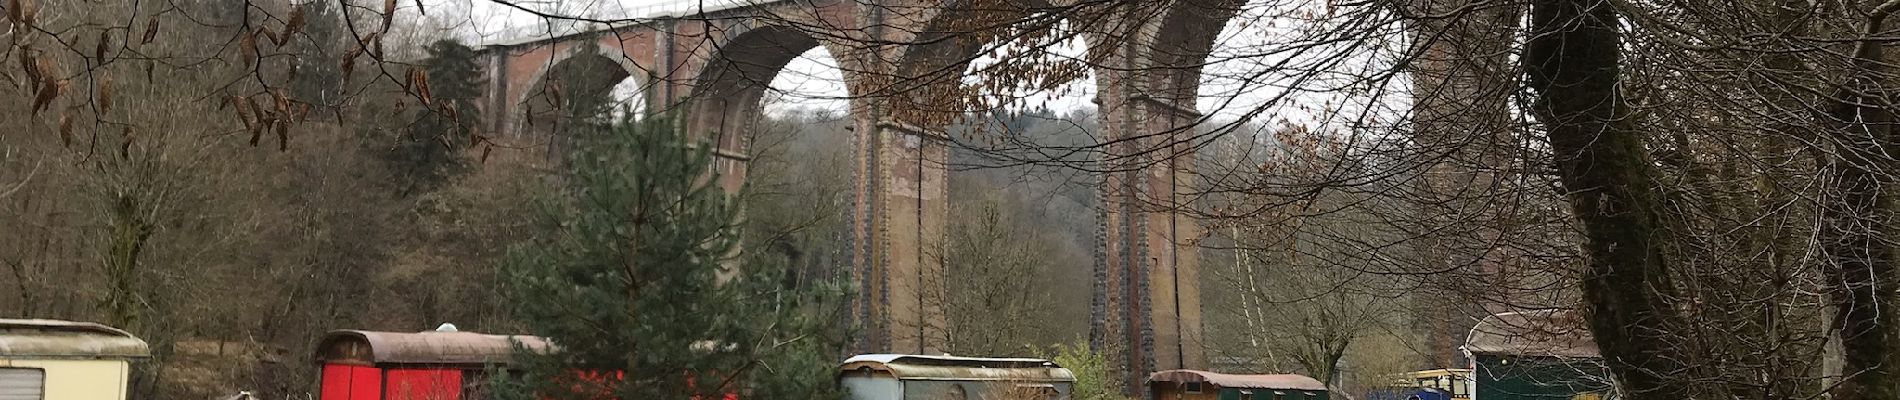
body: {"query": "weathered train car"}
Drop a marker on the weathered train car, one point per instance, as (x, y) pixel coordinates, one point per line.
(1536, 355)
(1187, 384)
(65, 360)
(436, 365)
(916, 377)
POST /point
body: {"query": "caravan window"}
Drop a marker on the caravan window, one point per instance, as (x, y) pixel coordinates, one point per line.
(22, 384)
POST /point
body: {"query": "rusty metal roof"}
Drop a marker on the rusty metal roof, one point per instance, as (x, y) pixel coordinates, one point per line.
(1548, 333)
(1280, 381)
(427, 347)
(35, 338)
(920, 367)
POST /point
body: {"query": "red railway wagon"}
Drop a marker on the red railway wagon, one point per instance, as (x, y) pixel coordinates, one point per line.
(436, 365)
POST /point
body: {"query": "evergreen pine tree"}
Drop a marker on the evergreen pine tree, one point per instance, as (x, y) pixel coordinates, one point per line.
(431, 151)
(639, 275)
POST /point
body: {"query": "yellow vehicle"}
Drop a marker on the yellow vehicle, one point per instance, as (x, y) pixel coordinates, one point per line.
(1456, 382)
(64, 360)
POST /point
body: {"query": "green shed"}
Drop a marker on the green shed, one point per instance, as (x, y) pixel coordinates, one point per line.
(1187, 384)
(1536, 355)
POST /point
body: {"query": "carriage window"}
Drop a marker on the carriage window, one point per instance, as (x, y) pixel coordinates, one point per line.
(1246, 395)
(22, 384)
(1191, 387)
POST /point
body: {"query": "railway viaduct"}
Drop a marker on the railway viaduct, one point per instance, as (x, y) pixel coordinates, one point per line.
(709, 62)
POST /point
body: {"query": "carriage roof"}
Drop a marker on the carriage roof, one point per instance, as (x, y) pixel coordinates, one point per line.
(440, 348)
(67, 339)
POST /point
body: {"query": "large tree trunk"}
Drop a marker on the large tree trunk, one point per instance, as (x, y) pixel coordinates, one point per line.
(1859, 262)
(1860, 268)
(1572, 59)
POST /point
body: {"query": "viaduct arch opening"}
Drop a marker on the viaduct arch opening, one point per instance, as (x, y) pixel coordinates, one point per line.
(727, 99)
(587, 83)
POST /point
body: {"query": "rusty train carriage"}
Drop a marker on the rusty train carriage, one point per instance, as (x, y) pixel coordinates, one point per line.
(1186, 384)
(437, 365)
(915, 377)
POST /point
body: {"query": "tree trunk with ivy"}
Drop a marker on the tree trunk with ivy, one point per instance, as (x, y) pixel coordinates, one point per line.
(1574, 61)
(129, 233)
(1859, 262)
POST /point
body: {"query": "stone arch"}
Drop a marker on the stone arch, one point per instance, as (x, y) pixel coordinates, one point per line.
(1147, 303)
(902, 204)
(601, 65)
(1182, 41)
(927, 75)
(724, 102)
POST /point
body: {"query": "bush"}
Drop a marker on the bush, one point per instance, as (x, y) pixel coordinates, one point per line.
(1094, 380)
